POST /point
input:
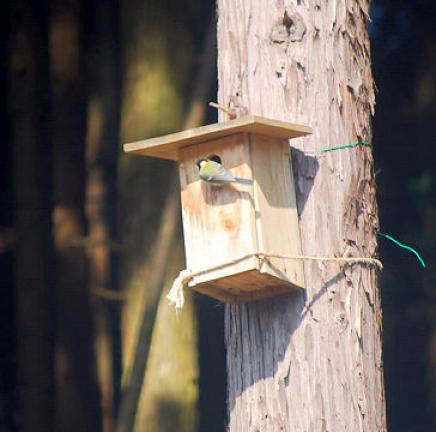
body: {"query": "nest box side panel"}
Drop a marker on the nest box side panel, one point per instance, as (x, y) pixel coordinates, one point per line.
(277, 225)
(218, 222)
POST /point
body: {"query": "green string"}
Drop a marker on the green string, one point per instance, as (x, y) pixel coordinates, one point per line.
(404, 247)
(355, 144)
(368, 144)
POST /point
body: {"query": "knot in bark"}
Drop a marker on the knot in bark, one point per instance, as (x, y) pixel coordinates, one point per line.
(290, 29)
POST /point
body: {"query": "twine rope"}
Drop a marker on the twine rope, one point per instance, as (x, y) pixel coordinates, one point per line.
(176, 295)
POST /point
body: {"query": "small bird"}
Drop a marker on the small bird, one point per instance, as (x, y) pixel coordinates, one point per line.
(213, 172)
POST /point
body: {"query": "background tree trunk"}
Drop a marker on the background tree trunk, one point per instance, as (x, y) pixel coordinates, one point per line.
(405, 122)
(157, 58)
(31, 152)
(102, 150)
(309, 361)
(76, 380)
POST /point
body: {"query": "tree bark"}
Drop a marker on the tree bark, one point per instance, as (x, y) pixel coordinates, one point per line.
(309, 361)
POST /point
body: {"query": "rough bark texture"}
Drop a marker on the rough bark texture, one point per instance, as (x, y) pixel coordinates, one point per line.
(312, 361)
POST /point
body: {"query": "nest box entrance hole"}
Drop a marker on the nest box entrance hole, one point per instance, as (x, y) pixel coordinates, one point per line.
(226, 230)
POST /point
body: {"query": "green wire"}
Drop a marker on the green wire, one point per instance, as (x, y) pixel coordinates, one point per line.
(368, 144)
(355, 144)
(404, 247)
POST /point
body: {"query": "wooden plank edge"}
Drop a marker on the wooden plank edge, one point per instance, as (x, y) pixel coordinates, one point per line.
(167, 146)
(227, 296)
(263, 293)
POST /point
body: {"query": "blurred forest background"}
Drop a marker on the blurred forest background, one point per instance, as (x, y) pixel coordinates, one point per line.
(90, 237)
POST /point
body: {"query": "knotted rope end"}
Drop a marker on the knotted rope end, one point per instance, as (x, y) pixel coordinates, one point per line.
(176, 296)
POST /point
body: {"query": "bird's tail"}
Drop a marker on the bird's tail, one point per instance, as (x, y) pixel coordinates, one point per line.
(243, 181)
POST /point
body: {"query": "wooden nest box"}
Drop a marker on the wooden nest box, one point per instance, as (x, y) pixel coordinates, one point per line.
(226, 228)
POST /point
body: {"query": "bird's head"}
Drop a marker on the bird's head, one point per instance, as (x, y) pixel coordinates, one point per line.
(201, 162)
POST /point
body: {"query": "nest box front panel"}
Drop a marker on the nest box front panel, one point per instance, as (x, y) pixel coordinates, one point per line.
(218, 222)
(243, 239)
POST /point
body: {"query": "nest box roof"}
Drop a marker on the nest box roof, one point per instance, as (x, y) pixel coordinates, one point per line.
(167, 146)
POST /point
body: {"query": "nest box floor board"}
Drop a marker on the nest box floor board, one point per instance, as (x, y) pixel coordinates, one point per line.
(239, 288)
(167, 146)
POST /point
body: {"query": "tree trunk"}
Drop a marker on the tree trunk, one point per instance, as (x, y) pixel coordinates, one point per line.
(309, 361)
(102, 148)
(28, 111)
(77, 399)
(156, 74)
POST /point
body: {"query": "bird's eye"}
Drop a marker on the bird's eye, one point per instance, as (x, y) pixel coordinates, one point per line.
(215, 158)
